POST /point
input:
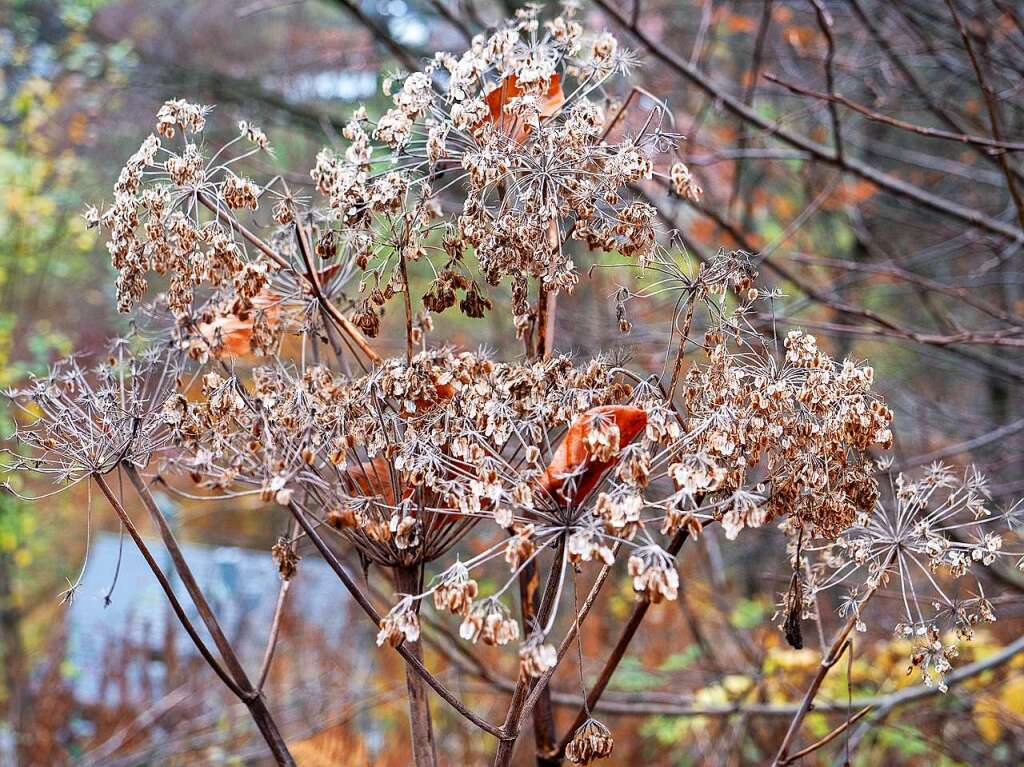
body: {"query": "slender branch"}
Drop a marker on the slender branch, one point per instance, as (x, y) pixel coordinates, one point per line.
(513, 718)
(835, 652)
(993, 110)
(923, 130)
(684, 336)
(619, 651)
(820, 152)
(828, 738)
(380, 32)
(563, 648)
(275, 630)
(275, 626)
(825, 24)
(168, 590)
(240, 688)
(543, 720)
(206, 613)
(453, 19)
(350, 584)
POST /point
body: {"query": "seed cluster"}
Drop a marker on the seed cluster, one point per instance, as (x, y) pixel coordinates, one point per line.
(941, 526)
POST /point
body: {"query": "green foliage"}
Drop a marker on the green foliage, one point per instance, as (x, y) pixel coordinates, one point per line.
(631, 675)
(749, 613)
(678, 661)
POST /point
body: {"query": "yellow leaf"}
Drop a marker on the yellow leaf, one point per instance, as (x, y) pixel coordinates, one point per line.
(1012, 696)
(986, 718)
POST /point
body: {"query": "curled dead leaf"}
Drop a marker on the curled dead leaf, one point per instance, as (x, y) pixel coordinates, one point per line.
(575, 464)
(517, 129)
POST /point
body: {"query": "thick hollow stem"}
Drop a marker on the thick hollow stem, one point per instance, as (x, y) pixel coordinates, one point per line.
(543, 713)
(546, 301)
(546, 321)
(407, 581)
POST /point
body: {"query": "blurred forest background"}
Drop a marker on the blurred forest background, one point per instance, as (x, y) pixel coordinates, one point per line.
(864, 150)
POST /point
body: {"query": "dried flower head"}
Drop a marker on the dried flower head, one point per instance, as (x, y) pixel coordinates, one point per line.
(536, 656)
(932, 537)
(590, 742)
(401, 624)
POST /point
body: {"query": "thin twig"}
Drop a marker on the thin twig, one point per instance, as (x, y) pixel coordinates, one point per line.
(820, 152)
(353, 588)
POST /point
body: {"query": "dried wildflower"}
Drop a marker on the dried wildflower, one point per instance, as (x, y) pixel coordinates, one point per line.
(520, 546)
(240, 193)
(683, 182)
(591, 741)
(930, 536)
(456, 591)
(401, 624)
(490, 621)
(254, 134)
(178, 113)
(585, 545)
(286, 558)
(654, 574)
(402, 457)
(521, 118)
(620, 510)
(84, 421)
(535, 656)
(804, 426)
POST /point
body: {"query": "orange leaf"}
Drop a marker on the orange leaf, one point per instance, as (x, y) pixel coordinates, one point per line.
(236, 333)
(573, 454)
(373, 479)
(442, 393)
(509, 89)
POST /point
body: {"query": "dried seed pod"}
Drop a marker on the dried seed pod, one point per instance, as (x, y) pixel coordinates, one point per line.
(591, 741)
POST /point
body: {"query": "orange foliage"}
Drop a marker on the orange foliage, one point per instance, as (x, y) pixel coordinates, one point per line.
(373, 479)
(850, 193)
(737, 22)
(236, 333)
(509, 89)
(573, 453)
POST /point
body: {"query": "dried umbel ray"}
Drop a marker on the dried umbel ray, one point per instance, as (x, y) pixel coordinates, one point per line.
(930, 538)
(82, 419)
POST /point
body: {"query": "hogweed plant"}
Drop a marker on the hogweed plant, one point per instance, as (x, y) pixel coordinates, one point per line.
(254, 372)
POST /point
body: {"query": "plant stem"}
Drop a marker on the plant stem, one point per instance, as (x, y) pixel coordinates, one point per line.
(681, 352)
(619, 651)
(407, 581)
(524, 686)
(227, 652)
(353, 588)
(543, 716)
(835, 652)
(251, 698)
(546, 321)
